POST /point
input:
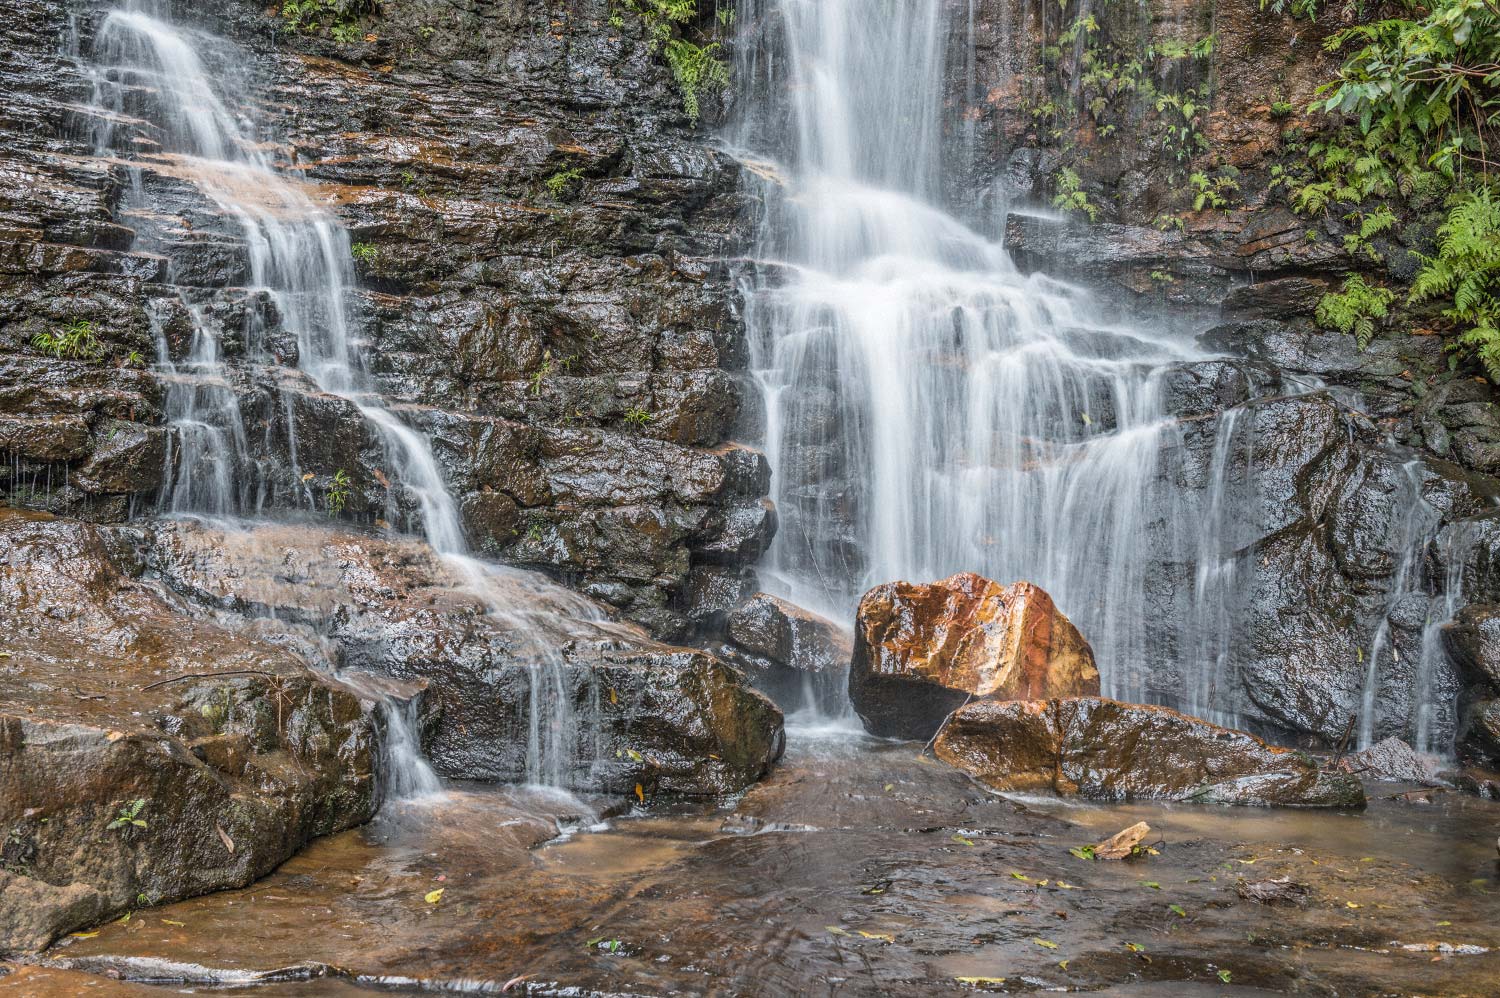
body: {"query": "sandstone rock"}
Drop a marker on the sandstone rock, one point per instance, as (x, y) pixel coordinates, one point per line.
(525, 680)
(920, 651)
(260, 747)
(794, 656)
(1110, 750)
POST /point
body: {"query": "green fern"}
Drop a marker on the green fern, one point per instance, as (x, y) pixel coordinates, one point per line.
(1355, 309)
(1071, 196)
(1467, 268)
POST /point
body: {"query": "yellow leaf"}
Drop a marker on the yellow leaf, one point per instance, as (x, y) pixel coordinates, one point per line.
(1063, 964)
(1350, 904)
(1047, 943)
(963, 841)
(877, 935)
(1440, 924)
(433, 897)
(835, 930)
(168, 921)
(307, 477)
(613, 696)
(1019, 875)
(980, 982)
(83, 935)
(640, 793)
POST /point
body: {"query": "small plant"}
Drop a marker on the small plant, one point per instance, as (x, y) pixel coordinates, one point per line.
(129, 816)
(365, 253)
(339, 491)
(534, 532)
(1355, 309)
(562, 181)
(539, 376)
(1071, 197)
(340, 18)
(76, 341)
(696, 69)
(1282, 109)
(607, 945)
(1162, 277)
(1466, 270)
(408, 178)
(637, 416)
(1211, 192)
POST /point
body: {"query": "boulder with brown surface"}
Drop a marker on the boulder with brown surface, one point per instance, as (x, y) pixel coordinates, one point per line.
(1108, 750)
(922, 651)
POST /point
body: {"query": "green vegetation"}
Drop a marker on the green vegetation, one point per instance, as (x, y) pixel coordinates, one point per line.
(1355, 309)
(698, 69)
(1416, 118)
(340, 19)
(365, 253)
(1466, 270)
(1212, 192)
(1071, 197)
(563, 181)
(637, 416)
(340, 489)
(76, 341)
(129, 816)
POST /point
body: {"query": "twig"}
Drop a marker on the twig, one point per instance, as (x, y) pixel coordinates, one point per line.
(939, 731)
(207, 675)
(1344, 741)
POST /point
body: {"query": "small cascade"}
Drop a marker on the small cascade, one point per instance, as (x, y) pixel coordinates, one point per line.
(408, 775)
(160, 93)
(1424, 605)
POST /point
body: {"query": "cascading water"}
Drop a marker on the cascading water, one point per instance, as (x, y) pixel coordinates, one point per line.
(930, 409)
(160, 91)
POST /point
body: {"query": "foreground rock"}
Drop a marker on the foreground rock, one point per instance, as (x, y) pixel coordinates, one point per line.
(526, 680)
(1110, 750)
(921, 651)
(122, 783)
(794, 656)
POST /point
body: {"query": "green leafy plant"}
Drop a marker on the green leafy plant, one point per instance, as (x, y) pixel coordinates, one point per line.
(129, 816)
(365, 253)
(1211, 192)
(1071, 197)
(1466, 269)
(540, 375)
(78, 340)
(560, 182)
(1371, 224)
(339, 18)
(697, 69)
(1282, 109)
(637, 416)
(340, 489)
(1355, 309)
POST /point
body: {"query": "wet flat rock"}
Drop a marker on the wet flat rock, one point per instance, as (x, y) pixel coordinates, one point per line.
(920, 651)
(1105, 749)
(113, 795)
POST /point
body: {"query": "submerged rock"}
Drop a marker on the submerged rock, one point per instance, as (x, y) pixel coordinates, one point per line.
(149, 752)
(794, 656)
(1390, 759)
(921, 651)
(1110, 750)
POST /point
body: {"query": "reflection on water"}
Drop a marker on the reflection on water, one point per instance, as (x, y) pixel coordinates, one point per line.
(859, 868)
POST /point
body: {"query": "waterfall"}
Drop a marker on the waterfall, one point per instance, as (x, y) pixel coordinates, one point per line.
(931, 409)
(163, 103)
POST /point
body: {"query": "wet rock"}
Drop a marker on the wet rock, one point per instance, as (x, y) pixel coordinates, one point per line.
(1110, 750)
(1389, 759)
(794, 656)
(920, 651)
(1281, 891)
(526, 681)
(113, 693)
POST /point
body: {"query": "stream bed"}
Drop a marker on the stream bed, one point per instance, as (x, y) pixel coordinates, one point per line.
(860, 867)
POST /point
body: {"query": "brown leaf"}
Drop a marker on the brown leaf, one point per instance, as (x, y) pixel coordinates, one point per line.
(224, 838)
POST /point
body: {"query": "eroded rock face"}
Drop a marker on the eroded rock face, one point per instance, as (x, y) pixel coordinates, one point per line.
(920, 651)
(793, 655)
(235, 770)
(525, 680)
(572, 347)
(1116, 751)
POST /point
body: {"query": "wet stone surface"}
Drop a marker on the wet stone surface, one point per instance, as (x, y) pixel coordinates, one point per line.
(859, 868)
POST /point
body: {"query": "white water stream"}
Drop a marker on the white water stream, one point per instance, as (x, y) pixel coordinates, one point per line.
(166, 95)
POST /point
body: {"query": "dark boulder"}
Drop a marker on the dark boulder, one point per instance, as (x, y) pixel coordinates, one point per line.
(794, 656)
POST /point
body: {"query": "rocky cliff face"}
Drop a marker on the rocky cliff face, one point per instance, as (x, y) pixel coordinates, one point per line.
(535, 226)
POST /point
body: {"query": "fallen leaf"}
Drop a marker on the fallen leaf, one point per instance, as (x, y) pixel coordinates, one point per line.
(1177, 910)
(224, 838)
(981, 982)
(613, 697)
(1063, 964)
(168, 921)
(1082, 852)
(877, 935)
(835, 930)
(1019, 875)
(1350, 904)
(514, 981)
(1135, 947)
(83, 935)
(1445, 923)
(433, 897)
(1225, 976)
(1151, 884)
(640, 793)
(963, 841)
(889, 787)
(1046, 943)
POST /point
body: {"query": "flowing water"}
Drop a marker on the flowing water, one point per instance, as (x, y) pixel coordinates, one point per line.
(930, 408)
(164, 99)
